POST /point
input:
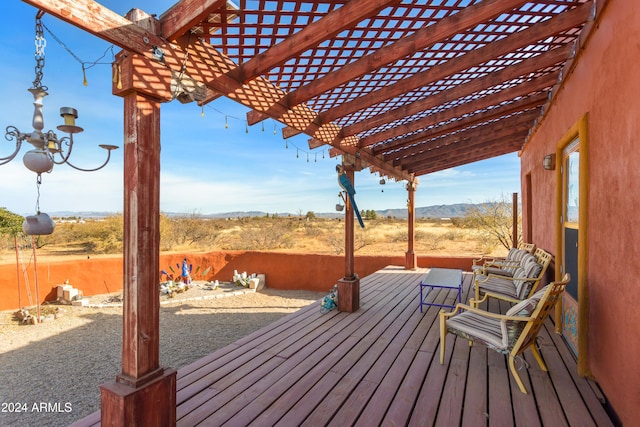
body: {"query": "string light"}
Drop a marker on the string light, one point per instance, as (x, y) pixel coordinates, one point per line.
(116, 78)
(84, 64)
(84, 76)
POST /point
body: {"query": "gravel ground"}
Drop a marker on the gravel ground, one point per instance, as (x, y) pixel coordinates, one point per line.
(50, 373)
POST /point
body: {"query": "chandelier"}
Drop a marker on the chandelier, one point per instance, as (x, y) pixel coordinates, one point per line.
(48, 149)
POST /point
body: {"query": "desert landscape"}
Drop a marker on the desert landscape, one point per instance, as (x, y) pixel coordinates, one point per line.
(296, 234)
(65, 361)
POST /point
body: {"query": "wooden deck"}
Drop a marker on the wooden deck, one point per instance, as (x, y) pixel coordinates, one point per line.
(379, 366)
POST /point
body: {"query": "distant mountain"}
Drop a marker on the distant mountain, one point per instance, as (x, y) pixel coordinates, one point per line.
(437, 211)
(85, 215)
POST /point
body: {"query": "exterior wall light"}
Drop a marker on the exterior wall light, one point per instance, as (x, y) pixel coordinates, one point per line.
(549, 162)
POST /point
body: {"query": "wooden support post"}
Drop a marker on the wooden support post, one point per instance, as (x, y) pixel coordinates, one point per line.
(411, 260)
(143, 393)
(349, 285)
(514, 238)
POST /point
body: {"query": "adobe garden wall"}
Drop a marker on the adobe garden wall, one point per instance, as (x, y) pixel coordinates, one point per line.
(283, 271)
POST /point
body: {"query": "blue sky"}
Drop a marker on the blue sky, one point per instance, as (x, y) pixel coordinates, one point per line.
(205, 167)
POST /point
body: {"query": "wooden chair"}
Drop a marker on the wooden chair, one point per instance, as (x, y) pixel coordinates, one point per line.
(503, 264)
(511, 333)
(521, 285)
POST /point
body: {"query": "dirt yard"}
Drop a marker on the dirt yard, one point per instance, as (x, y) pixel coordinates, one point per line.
(59, 365)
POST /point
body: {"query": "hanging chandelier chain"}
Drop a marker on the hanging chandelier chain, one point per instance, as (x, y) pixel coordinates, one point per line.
(40, 43)
(38, 182)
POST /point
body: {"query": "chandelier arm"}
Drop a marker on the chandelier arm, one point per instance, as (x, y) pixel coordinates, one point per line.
(94, 169)
(68, 141)
(12, 133)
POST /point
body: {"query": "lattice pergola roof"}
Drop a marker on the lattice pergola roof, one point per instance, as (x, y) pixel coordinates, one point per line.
(409, 87)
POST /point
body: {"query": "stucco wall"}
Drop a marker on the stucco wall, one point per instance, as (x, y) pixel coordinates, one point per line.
(283, 271)
(604, 85)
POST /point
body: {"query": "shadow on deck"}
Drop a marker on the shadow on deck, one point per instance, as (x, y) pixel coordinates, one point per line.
(379, 366)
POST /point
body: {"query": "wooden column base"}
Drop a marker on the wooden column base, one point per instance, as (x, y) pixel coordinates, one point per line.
(410, 260)
(152, 404)
(349, 294)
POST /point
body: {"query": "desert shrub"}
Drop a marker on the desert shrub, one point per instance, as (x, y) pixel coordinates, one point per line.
(400, 236)
(276, 234)
(453, 235)
(495, 219)
(334, 240)
(432, 241)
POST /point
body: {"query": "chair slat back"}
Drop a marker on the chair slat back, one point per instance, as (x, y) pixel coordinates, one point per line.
(549, 296)
(529, 247)
(544, 259)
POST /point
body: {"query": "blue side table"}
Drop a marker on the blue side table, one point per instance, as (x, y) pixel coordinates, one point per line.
(444, 278)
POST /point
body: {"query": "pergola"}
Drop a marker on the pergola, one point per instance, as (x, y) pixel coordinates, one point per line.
(404, 88)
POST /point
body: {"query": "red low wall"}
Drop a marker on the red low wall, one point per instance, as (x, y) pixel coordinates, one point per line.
(283, 271)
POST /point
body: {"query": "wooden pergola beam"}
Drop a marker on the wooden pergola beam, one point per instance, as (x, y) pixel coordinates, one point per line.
(523, 68)
(487, 131)
(410, 128)
(521, 90)
(523, 104)
(502, 147)
(203, 63)
(185, 14)
(441, 30)
(310, 36)
(511, 141)
(561, 22)
(464, 146)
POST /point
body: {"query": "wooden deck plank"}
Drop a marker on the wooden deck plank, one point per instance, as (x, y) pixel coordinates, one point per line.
(370, 366)
(378, 366)
(289, 387)
(326, 397)
(450, 408)
(500, 408)
(568, 395)
(585, 387)
(396, 375)
(233, 379)
(475, 412)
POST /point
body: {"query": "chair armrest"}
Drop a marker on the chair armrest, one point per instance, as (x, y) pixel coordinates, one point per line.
(484, 313)
(489, 294)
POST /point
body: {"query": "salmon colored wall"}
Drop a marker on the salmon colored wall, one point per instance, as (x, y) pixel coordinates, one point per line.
(604, 84)
(283, 271)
